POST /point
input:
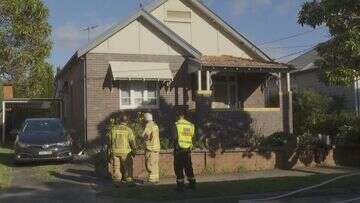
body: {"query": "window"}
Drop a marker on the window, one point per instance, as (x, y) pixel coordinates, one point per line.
(139, 94)
(225, 92)
(180, 16)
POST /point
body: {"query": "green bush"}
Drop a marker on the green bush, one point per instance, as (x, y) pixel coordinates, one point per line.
(310, 109)
(277, 139)
(307, 141)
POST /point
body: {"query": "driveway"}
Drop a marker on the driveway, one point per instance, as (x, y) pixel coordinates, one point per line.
(51, 183)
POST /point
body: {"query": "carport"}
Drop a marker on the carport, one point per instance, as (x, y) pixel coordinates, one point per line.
(15, 111)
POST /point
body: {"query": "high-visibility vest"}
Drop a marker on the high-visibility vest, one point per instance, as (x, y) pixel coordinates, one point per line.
(186, 131)
(121, 135)
(152, 130)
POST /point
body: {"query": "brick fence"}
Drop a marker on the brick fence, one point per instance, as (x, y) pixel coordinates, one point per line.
(206, 163)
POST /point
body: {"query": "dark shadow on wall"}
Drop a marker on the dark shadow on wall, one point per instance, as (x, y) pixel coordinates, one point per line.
(224, 130)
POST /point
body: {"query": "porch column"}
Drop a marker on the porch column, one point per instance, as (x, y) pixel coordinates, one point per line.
(286, 102)
(199, 80)
(3, 122)
(207, 80)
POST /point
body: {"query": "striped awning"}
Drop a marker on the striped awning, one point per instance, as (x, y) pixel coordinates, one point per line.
(122, 70)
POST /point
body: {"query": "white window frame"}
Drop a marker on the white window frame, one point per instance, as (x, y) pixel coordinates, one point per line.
(145, 97)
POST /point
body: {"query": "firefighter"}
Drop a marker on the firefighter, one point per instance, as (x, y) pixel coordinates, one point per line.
(122, 142)
(183, 135)
(152, 151)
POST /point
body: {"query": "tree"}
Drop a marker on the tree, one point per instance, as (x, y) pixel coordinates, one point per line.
(24, 37)
(38, 84)
(340, 63)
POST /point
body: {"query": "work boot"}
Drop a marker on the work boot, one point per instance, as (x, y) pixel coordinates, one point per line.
(192, 184)
(180, 186)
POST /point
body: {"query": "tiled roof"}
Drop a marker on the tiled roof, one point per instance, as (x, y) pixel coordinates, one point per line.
(237, 62)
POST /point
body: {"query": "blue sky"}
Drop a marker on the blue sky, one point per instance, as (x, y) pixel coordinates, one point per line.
(259, 20)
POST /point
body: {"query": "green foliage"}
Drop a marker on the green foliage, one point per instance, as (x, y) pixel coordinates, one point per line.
(137, 125)
(341, 55)
(310, 109)
(38, 84)
(24, 37)
(278, 139)
(307, 141)
(256, 140)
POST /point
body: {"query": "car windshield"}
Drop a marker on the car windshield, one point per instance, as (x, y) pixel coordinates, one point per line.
(43, 126)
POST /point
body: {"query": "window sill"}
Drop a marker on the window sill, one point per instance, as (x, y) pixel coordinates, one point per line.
(248, 109)
(177, 20)
(138, 108)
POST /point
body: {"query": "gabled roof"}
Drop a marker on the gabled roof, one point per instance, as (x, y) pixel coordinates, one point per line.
(305, 62)
(197, 4)
(144, 13)
(229, 29)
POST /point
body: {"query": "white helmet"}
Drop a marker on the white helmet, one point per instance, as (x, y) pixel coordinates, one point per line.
(148, 117)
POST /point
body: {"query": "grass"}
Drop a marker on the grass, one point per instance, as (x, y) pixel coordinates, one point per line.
(44, 172)
(234, 188)
(5, 167)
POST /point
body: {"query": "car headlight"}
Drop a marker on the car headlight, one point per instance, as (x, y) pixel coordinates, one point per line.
(23, 145)
(64, 144)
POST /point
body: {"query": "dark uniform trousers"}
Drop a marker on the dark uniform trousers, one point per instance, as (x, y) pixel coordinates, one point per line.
(182, 162)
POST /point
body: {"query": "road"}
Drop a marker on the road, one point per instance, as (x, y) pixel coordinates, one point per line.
(78, 183)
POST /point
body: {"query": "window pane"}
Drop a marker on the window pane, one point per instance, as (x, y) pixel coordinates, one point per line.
(125, 94)
(125, 101)
(152, 90)
(138, 93)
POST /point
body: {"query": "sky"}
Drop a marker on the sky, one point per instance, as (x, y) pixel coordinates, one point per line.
(260, 21)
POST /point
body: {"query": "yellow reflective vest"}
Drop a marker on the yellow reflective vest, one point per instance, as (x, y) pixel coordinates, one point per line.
(152, 130)
(121, 136)
(186, 131)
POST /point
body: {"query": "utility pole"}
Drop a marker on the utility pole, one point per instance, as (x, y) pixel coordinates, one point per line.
(89, 29)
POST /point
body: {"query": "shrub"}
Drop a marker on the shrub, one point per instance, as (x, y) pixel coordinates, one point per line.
(307, 141)
(277, 139)
(310, 109)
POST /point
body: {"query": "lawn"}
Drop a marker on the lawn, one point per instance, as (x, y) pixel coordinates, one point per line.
(234, 188)
(5, 167)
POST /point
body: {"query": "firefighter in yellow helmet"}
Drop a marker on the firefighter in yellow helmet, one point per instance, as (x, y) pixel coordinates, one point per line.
(122, 145)
(183, 134)
(152, 141)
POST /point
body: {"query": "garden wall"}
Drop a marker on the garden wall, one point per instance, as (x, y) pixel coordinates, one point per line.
(206, 163)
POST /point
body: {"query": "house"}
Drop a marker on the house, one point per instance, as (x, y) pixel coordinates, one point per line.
(174, 54)
(306, 77)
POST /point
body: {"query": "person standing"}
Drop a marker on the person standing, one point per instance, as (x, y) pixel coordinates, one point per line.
(183, 135)
(122, 142)
(152, 151)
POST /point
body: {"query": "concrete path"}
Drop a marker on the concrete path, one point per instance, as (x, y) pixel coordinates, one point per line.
(266, 174)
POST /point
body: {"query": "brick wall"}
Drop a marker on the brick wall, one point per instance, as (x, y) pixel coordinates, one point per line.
(235, 161)
(71, 90)
(103, 95)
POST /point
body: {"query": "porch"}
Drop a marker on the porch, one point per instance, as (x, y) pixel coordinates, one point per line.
(248, 94)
